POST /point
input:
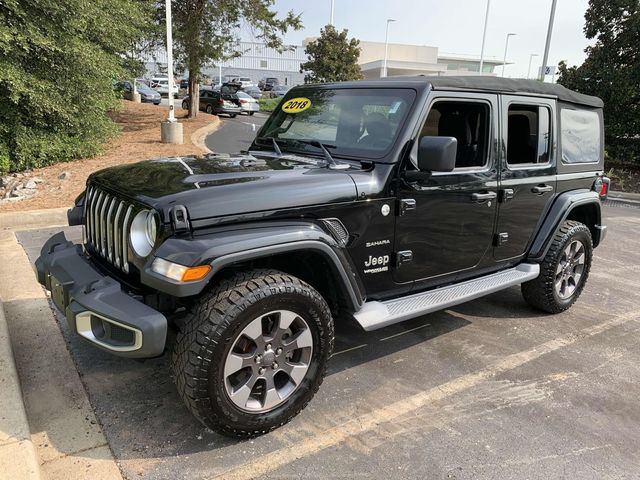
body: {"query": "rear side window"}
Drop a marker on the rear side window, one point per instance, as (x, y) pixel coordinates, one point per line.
(528, 134)
(580, 136)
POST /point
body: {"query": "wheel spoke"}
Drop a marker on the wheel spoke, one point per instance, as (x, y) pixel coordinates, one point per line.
(301, 340)
(286, 319)
(296, 371)
(271, 397)
(236, 362)
(241, 395)
(254, 330)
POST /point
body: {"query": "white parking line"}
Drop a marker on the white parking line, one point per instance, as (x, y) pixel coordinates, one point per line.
(271, 461)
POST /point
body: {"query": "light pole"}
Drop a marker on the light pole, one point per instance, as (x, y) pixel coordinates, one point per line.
(331, 18)
(171, 130)
(529, 69)
(506, 45)
(386, 47)
(545, 57)
(484, 35)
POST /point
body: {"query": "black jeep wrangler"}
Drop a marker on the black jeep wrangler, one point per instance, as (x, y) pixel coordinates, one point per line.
(377, 201)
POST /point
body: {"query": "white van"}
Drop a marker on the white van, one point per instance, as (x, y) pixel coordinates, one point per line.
(161, 85)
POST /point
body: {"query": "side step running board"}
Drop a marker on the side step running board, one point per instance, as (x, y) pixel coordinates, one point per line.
(374, 315)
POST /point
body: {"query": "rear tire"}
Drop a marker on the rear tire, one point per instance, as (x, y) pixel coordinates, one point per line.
(185, 105)
(232, 115)
(242, 320)
(209, 109)
(564, 270)
(251, 113)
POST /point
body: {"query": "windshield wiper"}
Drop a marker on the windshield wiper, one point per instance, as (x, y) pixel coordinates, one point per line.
(276, 147)
(324, 147)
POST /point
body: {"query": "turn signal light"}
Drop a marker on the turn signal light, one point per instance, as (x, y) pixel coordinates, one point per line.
(192, 274)
(179, 272)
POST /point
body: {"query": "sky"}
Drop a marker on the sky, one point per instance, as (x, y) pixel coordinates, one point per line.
(455, 26)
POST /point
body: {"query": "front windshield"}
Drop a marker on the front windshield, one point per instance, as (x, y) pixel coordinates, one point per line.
(360, 122)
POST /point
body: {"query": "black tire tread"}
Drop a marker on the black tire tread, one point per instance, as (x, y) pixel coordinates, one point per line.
(202, 331)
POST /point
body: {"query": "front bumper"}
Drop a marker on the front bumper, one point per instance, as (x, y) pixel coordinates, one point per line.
(95, 305)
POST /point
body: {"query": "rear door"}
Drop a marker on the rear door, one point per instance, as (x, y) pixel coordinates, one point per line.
(527, 171)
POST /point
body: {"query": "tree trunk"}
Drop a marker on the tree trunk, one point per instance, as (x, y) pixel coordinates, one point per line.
(194, 94)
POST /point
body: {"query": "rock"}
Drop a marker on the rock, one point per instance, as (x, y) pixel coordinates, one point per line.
(16, 193)
(5, 181)
(18, 186)
(37, 180)
(64, 175)
(30, 184)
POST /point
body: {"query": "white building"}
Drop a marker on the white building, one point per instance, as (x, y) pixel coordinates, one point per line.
(258, 61)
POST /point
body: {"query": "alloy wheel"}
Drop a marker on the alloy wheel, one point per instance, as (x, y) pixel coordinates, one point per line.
(570, 269)
(268, 361)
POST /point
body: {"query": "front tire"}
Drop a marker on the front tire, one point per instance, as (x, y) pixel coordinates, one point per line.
(209, 109)
(253, 352)
(564, 270)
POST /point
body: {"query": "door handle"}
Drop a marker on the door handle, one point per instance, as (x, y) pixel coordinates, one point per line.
(483, 196)
(541, 189)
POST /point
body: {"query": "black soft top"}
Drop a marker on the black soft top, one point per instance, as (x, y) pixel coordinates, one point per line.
(482, 83)
(509, 85)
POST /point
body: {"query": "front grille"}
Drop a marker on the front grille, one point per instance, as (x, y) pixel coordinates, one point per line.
(107, 222)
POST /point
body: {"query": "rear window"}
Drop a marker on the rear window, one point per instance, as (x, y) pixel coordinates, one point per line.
(580, 136)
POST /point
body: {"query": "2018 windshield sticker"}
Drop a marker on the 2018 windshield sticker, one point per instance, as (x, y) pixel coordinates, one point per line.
(296, 105)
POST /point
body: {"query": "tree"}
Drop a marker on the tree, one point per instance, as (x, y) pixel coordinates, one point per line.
(57, 63)
(611, 71)
(206, 31)
(332, 57)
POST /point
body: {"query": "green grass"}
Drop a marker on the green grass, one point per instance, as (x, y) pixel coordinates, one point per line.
(268, 104)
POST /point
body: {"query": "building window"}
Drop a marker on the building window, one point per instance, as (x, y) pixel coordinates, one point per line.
(263, 64)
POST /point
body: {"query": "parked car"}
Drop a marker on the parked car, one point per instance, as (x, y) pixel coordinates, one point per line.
(147, 95)
(376, 201)
(184, 83)
(248, 104)
(280, 90)
(214, 103)
(254, 92)
(268, 84)
(161, 85)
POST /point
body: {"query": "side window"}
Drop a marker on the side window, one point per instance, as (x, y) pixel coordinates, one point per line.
(580, 136)
(468, 122)
(528, 134)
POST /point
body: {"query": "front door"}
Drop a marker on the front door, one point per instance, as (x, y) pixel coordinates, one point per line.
(527, 172)
(447, 221)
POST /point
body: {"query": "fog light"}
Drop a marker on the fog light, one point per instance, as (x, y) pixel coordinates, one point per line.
(179, 272)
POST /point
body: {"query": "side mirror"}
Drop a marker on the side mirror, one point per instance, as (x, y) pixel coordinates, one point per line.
(437, 154)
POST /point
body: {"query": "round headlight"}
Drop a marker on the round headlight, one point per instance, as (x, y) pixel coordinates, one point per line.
(144, 230)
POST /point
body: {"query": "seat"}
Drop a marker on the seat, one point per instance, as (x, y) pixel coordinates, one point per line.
(519, 149)
(378, 131)
(455, 124)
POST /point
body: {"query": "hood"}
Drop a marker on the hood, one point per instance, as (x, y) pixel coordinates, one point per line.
(221, 184)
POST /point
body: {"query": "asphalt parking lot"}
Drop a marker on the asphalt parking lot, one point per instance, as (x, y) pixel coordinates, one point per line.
(489, 389)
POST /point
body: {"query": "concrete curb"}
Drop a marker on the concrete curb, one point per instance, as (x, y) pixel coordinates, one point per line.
(198, 137)
(624, 198)
(51, 217)
(68, 440)
(17, 454)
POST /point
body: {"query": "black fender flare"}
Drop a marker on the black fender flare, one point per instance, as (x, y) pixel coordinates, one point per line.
(222, 247)
(558, 213)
